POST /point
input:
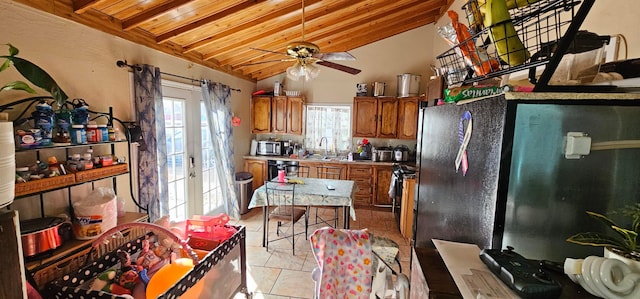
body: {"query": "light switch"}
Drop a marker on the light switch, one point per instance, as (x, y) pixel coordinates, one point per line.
(578, 145)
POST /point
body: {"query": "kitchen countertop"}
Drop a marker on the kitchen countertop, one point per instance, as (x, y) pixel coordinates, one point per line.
(330, 160)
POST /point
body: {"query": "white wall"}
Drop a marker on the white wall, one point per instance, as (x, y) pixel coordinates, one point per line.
(414, 51)
(382, 61)
(83, 62)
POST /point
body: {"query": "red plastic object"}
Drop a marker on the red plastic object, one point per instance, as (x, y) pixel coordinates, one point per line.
(210, 227)
(261, 91)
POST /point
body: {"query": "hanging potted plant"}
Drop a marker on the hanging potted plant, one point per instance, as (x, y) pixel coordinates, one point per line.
(622, 243)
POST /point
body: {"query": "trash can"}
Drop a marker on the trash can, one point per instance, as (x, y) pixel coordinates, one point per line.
(244, 187)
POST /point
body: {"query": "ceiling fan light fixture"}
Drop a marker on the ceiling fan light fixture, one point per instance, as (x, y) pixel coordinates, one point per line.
(295, 71)
(308, 71)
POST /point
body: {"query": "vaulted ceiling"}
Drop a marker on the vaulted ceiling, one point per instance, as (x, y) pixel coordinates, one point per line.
(221, 34)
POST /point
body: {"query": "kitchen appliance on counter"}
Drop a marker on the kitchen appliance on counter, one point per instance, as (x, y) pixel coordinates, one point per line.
(385, 154)
(401, 153)
(269, 148)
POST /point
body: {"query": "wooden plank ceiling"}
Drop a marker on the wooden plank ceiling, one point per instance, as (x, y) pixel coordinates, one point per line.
(220, 34)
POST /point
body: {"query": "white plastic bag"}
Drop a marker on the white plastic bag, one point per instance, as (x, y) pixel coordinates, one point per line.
(95, 214)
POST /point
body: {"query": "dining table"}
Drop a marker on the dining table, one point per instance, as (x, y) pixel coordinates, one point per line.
(314, 192)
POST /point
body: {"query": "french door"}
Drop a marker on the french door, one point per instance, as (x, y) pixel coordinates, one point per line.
(194, 188)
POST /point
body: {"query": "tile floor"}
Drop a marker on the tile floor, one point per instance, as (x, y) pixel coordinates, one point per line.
(279, 274)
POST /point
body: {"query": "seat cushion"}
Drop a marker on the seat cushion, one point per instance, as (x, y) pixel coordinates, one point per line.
(285, 212)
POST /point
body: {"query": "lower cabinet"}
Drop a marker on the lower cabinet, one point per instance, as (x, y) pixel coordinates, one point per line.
(383, 180)
(258, 168)
(406, 208)
(363, 176)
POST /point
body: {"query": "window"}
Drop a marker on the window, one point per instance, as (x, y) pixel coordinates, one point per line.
(332, 122)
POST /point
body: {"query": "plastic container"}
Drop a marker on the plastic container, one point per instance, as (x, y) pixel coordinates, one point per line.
(95, 214)
(43, 118)
(23, 174)
(92, 133)
(78, 134)
(111, 134)
(103, 133)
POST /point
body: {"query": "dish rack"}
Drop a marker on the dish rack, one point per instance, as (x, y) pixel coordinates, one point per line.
(546, 29)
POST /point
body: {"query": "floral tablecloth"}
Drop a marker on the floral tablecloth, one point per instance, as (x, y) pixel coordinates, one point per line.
(314, 192)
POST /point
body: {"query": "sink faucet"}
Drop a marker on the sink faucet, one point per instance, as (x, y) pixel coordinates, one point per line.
(326, 151)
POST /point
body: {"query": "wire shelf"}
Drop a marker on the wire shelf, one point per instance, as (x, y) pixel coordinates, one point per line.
(545, 28)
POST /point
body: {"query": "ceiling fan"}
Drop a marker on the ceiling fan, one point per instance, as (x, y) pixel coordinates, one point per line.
(305, 55)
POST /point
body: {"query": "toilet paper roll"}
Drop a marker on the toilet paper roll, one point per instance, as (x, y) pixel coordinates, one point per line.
(7, 164)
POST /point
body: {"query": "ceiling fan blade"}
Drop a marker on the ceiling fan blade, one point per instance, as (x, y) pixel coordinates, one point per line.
(269, 51)
(340, 67)
(334, 56)
(266, 61)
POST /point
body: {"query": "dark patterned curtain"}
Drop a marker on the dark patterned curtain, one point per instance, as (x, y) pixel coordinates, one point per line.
(152, 158)
(217, 100)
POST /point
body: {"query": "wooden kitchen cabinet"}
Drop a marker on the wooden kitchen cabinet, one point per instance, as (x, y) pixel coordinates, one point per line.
(387, 114)
(375, 117)
(408, 109)
(295, 110)
(278, 114)
(406, 207)
(260, 114)
(363, 176)
(364, 116)
(382, 182)
(258, 168)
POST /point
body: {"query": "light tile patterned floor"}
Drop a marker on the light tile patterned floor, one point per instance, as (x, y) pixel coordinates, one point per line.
(279, 274)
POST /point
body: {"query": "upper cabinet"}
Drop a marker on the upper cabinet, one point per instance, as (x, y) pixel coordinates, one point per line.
(408, 109)
(277, 114)
(386, 117)
(364, 116)
(375, 117)
(261, 114)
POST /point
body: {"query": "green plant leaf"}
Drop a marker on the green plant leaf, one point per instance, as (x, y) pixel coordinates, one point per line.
(18, 85)
(597, 239)
(630, 237)
(13, 51)
(38, 77)
(5, 65)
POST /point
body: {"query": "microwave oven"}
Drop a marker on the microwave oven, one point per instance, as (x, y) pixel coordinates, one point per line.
(269, 148)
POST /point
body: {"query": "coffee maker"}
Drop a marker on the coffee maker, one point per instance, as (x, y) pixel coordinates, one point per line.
(287, 148)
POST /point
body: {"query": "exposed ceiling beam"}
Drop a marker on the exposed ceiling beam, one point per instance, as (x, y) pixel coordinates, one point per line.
(210, 19)
(152, 13)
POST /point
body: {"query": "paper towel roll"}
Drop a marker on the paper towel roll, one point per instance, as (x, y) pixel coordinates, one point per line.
(7, 164)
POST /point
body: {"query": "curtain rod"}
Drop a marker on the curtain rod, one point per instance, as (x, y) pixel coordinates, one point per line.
(123, 63)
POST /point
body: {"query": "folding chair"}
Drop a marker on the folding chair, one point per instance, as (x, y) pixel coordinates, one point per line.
(281, 208)
(346, 267)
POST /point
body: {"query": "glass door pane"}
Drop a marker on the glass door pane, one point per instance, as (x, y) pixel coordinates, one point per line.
(176, 156)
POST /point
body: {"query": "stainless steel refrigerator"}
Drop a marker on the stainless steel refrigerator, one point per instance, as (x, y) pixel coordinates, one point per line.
(504, 180)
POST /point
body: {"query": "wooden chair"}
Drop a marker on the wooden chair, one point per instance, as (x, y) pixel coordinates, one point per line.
(301, 171)
(334, 173)
(281, 208)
